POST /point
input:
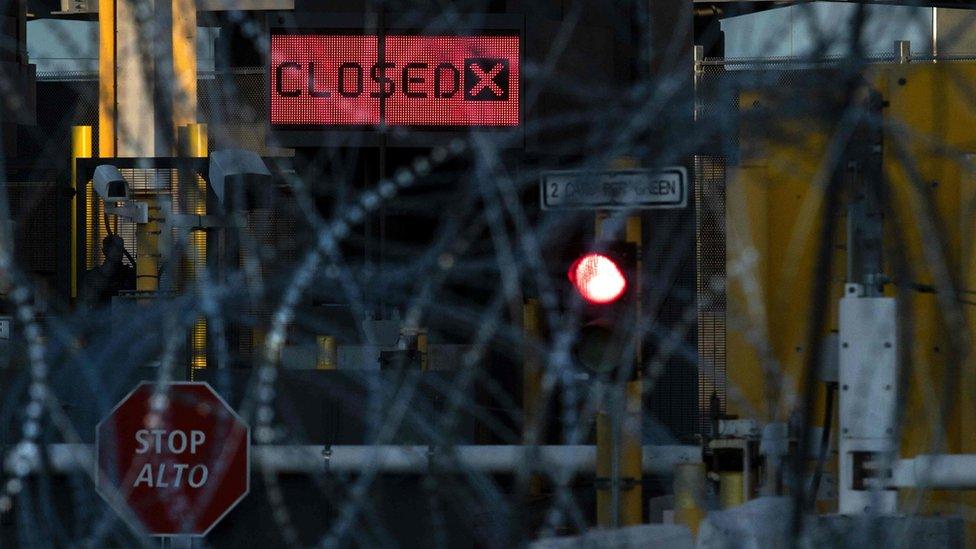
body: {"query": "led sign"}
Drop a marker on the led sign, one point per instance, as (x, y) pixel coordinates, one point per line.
(322, 80)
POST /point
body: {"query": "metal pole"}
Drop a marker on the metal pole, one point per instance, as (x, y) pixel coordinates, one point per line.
(618, 427)
(107, 106)
(184, 36)
(699, 70)
(607, 485)
(940, 471)
(196, 147)
(904, 49)
(605, 504)
(616, 417)
(400, 459)
(631, 451)
(107, 115)
(531, 369)
(631, 455)
(81, 147)
(533, 432)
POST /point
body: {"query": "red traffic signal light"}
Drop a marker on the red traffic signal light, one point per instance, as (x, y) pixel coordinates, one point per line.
(598, 278)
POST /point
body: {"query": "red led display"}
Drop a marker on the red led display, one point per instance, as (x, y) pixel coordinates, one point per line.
(323, 80)
(454, 80)
(335, 80)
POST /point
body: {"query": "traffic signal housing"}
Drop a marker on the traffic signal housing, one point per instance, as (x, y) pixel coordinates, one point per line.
(598, 278)
(604, 279)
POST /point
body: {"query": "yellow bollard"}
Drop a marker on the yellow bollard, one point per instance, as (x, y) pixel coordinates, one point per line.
(328, 357)
(731, 490)
(81, 147)
(689, 492)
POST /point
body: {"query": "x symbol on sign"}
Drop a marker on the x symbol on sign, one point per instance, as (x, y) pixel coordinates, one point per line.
(486, 80)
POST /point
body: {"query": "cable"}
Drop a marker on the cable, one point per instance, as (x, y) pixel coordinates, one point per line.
(824, 440)
(132, 260)
(930, 289)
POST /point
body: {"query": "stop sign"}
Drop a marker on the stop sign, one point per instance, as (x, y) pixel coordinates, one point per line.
(176, 468)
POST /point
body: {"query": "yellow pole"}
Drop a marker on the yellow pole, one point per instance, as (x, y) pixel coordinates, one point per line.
(328, 353)
(604, 458)
(107, 117)
(81, 147)
(185, 65)
(106, 79)
(632, 452)
(629, 506)
(196, 147)
(631, 455)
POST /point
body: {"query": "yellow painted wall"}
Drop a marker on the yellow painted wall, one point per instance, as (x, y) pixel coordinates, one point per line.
(774, 211)
(933, 129)
(774, 219)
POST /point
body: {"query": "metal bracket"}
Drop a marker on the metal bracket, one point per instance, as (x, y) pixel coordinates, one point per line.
(853, 290)
(133, 210)
(868, 401)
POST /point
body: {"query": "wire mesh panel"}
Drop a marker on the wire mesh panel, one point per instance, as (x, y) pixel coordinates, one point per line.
(72, 101)
(231, 103)
(711, 251)
(34, 210)
(671, 261)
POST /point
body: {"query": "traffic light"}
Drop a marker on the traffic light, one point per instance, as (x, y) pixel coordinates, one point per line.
(598, 278)
(604, 278)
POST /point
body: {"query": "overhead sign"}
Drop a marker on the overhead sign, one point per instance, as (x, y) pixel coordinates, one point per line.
(615, 189)
(176, 470)
(335, 80)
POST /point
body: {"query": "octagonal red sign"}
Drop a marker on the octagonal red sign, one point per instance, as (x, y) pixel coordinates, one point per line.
(175, 468)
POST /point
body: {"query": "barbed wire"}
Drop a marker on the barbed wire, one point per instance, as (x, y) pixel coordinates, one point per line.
(449, 240)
